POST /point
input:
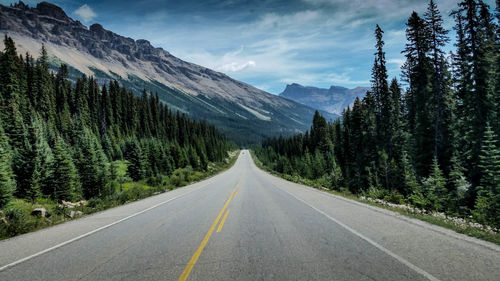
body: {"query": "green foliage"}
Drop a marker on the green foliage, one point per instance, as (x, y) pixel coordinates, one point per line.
(487, 207)
(33, 162)
(65, 182)
(67, 141)
(7, 183)
(137, 159)
(434, 188)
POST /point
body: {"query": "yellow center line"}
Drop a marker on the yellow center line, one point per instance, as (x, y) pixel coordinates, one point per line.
(197, 254)
(223, 220)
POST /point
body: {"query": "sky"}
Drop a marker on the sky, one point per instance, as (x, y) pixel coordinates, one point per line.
(267, 43)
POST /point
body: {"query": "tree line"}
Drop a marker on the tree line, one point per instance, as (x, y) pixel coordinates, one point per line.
(434, 145)
(60, 140)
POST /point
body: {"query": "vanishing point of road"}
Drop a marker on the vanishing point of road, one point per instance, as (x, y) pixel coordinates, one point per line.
(245, 224)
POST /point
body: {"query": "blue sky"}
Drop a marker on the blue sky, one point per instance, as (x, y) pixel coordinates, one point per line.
(266, 43)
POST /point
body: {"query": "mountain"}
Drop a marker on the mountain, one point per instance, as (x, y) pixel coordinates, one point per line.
(332, 100)
(245, 113)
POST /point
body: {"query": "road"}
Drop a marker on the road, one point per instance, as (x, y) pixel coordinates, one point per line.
(245, 224)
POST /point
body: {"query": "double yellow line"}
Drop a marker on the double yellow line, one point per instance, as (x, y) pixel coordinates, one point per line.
(197, 254)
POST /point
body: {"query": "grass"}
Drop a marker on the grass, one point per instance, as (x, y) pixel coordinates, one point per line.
(467, 230)
(16, 217)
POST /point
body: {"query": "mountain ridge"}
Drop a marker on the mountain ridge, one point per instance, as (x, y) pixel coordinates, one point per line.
(234, 106)
(333, 100)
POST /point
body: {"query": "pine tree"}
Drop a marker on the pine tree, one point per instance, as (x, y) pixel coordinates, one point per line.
(89, 164)
(33, 162)
(496, 125)
(475, 73)
(459, 186)
(487, 208)
(410, 183)
(437, 40)
(7, 182)
(336, 176)
(194, 160)
(136, 169)
(65, 182)
(435, 189)
(44, 88)
(9, 70)
(417, 71)
(398, 138)
(43, 161)
(319, 133)
(383, 100)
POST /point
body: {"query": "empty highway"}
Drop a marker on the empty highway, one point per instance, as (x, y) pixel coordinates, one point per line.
(245, 224)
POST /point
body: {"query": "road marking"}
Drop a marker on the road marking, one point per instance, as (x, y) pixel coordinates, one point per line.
(196, 255)
(378, 246)
(223, 219)
(91, 232)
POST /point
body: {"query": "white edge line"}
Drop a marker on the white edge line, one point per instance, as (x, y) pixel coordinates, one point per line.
(378, 246)
(90, 232)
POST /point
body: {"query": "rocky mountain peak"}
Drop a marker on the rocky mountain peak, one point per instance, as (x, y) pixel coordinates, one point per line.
(20, 5)
(333, 99)
(97, 28)
(51, 10)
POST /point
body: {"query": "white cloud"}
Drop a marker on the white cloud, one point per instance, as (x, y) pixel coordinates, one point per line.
(85, 13)
(328, 42)
(234, 66)
(398, 62)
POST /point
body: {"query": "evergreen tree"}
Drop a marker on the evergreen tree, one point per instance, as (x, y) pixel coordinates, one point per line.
(44, 88)
(459, 186)
(437, 40)
(417, 70)
(194, 160)
(319, 133)
(90, 164)
(336, 176)
(410, 182)
(383, 100)
(65, 182)
(33, 162)
(487, 208)
(9, 70)
(435, 189)
(136, 169)
(7, 183)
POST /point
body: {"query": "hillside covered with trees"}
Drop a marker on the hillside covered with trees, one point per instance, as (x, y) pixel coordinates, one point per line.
(64, 141)
(434, 145)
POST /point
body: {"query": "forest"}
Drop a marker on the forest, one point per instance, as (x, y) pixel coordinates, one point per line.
(68, 141)
(430, 140)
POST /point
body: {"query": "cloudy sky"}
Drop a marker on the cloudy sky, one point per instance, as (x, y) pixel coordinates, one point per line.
(266, 43)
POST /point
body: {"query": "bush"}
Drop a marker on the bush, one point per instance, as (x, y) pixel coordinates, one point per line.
(94, 202)
(394, 197)
(135, 192)
(376, 193)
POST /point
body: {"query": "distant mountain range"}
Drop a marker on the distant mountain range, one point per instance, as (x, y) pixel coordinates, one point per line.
(245, 113)
(332, 100)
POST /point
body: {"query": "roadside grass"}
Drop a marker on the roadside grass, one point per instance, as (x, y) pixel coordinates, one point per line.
(467, 230)
(16, 218)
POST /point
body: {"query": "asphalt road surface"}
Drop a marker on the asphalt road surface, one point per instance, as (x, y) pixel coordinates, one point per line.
(245, 224)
